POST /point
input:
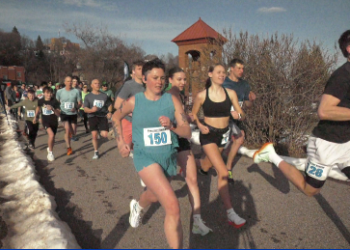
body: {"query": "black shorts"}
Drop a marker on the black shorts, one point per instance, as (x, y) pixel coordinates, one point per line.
(184, 144)
(51, 124)
(69, 118)
(98, 123)
(219, 136)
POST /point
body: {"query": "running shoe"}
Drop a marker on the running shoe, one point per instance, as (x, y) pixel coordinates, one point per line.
(74, 138)
(69, 151)
(96, 156)
(31, 146)
(262, 155)
(200, 228)
(135, 214)
(235, 220)
(230, 177)
(50, 156)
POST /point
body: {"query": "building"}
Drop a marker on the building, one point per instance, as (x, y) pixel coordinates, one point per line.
(62, 45)
(199, 47)
(13, 73)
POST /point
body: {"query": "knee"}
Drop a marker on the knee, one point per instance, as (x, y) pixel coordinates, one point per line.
(191, 180)
(172, 208)
(311, 193)
(104, 134)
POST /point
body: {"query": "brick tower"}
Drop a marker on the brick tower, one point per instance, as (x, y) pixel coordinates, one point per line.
(199, 47)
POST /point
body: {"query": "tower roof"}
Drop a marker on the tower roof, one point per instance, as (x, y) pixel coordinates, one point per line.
(198, 31)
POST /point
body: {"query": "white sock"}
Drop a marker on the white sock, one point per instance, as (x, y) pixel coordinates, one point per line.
(247, 152)
(196, 217)
(229, 211)
(138, 207)
(275, 158)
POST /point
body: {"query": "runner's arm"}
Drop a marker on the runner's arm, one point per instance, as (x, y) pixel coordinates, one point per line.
(183, 128)
(198, 102)
(328, 109)
(249, 103)
(124, 109)
(235, 103)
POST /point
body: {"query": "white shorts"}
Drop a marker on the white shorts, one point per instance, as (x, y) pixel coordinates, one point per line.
(323, 156)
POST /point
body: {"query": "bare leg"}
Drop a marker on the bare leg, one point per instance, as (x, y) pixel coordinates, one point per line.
(51, 138)
(95, 139)
(158, 187)
(187, 163)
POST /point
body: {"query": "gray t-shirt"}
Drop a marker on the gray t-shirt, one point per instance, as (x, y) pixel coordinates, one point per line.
(69, 100)
(101, 100)
(129, 89)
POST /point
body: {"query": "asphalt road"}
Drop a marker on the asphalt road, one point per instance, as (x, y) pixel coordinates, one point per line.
(93, 198)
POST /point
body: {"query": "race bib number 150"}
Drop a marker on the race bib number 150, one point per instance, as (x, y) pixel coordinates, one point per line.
(154, 137)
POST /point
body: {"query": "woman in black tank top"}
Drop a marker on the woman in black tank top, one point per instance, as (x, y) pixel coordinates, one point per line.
(185, 157)
(216, 102)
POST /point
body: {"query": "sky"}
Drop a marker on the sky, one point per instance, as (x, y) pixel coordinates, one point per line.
(152, 24)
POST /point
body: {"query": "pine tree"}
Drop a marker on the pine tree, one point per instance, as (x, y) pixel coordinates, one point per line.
(39, 44)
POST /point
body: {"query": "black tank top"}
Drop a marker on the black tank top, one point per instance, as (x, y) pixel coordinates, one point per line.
(217, 109)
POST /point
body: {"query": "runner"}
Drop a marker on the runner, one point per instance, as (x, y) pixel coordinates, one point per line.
(107, 91)
(30, 105)
(98, 107)
(330, 143)
(49, 109)
(235, 82)
(70, 100)
(185, 157)
(216, 102)
(129, 89)
(155, 142)
(81, 110)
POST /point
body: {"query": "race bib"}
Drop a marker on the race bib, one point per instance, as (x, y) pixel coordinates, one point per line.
(240, 104)
(47, 112)
(317, 171)
(69, 105)
(30, 113)
(99, 103)
(225, 137)
(154, 137)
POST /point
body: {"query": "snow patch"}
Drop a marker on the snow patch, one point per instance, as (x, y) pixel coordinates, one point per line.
(29, 211)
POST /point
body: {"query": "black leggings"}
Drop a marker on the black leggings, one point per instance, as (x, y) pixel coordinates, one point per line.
(32, 131)
(84, 115)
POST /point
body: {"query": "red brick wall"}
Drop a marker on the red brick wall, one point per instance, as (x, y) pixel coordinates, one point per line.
(16, 73)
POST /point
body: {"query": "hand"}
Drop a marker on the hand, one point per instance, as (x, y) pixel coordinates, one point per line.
(109, 115)
(124, 149)
(48, 107)
(72, 110)
(190, 117)
(204, 129)
(165, 122)
(94, 109)
(34, 121)
(252, 96)
(235, 115)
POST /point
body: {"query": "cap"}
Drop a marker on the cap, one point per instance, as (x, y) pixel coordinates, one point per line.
(57, 83)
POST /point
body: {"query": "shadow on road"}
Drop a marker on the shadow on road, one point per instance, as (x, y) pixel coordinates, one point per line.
(68, 211)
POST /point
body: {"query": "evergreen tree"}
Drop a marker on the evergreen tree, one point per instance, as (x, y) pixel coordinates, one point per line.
(39, 44)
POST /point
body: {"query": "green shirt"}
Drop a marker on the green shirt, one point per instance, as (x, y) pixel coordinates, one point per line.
(83, 98)
(109, 93)
(29, 106)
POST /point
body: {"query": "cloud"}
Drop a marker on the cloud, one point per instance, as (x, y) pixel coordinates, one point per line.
(271, 9)
(110, 6)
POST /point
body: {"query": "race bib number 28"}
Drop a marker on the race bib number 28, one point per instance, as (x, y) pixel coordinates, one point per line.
(30, 113)
(317, 171)
(154, 137)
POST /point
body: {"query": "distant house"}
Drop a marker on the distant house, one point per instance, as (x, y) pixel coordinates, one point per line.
(12, 73)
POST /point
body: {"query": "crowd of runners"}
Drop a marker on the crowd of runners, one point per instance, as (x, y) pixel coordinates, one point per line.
(151, 126)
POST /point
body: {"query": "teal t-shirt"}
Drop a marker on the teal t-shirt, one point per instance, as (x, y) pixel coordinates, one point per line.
(69, 99)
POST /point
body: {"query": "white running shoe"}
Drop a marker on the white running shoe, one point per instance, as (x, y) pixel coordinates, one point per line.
(135, 214)
(50, 156)
(96, 156)
(142, 183)
(200, 228)
(262, 155)
(235, 220)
